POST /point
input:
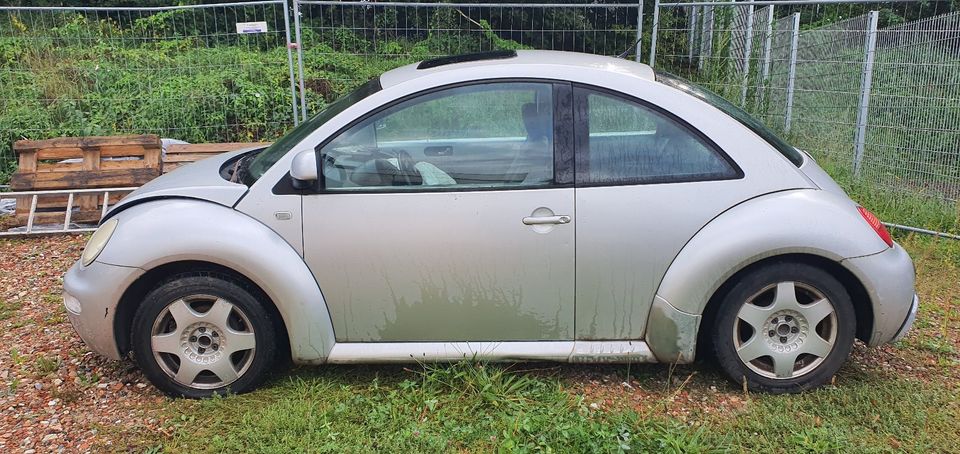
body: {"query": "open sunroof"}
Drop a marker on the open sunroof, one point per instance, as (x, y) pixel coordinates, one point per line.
(464, 58)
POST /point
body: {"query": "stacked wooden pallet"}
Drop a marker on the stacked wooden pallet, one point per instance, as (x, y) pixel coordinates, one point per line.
(180, 154)
(81, 163)
(96, 162)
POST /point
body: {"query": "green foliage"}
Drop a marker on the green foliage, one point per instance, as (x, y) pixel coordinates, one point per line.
(167, 73)
(77, 74)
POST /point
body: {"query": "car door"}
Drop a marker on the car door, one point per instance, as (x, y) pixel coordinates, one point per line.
(447, 216)
(646, 183)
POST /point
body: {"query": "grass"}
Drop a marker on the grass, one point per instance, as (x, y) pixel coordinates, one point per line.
(900, 207)
(8, 309)
(900, 398)
(865, 413)
(466, 406)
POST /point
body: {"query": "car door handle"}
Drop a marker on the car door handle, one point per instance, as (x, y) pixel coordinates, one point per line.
(542, 220)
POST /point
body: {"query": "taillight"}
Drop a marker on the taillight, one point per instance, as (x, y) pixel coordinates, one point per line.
(877, 226)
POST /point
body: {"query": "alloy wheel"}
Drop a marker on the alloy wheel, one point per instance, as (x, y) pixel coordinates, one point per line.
(785, 330)
(202, 341)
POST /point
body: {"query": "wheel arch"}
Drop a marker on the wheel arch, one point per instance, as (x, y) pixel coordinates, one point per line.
(138, 290)
(814, 226)
(855, 289)
(165, 237)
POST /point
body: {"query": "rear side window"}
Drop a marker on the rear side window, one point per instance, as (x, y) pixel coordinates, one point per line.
(737, 113)
(626, 142)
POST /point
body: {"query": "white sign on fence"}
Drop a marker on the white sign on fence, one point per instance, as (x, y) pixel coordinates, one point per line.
(251, 27)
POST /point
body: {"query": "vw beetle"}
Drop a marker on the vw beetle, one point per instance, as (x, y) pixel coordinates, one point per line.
(527, 205)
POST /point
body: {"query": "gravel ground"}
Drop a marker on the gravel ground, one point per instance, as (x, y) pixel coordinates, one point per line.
(58, 396)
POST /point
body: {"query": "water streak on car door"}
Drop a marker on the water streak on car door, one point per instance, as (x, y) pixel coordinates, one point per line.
(443, 266)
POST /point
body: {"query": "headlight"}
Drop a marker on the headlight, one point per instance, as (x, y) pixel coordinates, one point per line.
(98, 241)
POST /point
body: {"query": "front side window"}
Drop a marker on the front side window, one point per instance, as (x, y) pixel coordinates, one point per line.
(490, 135)
(630, 143)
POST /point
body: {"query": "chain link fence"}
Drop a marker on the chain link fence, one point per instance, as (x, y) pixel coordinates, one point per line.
(913, 125)
(217, 73)
(874, 100)
(345, 43)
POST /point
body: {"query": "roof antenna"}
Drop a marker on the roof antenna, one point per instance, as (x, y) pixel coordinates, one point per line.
(630, 49)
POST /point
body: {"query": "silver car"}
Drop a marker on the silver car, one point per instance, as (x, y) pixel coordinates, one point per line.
(527, 205)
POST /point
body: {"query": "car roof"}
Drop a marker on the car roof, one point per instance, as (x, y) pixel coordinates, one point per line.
(555, 60)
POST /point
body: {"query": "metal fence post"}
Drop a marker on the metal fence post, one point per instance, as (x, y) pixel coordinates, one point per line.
(747, 50)
(296, 27)
(293, 78)
(706, 35)
(791, 79)
(691, 31)
(865, 86)
(653, 33)
(639, 28)
(767, 45)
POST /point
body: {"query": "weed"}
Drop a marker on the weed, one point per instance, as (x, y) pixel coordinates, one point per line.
(88, 379)
(12, 387)
(8, 309)
(44, 365)
(21, 322)
(16, 357)
(55, 318)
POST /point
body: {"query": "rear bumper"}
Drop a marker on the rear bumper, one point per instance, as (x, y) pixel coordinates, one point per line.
(911, 317)
(888, 277)
(91, 294)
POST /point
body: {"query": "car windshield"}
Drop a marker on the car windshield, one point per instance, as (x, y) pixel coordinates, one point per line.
(268, 157)
(737, 113)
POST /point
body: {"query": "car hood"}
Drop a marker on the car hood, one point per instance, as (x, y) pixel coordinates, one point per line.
(199, 180)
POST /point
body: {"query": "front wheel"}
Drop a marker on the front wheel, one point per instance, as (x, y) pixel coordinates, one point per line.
(197, 335)
(785, 327)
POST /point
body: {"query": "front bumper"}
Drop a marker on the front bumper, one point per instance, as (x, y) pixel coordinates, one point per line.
(888, 277)
(91, 294)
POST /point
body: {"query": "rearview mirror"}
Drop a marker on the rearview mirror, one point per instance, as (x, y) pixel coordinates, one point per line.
(303, 169)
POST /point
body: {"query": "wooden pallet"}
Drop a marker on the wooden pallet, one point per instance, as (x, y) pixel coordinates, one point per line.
(97, 162)
(180, 154)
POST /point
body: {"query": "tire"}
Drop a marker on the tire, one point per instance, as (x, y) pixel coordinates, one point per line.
(758, 319)
(211, 323)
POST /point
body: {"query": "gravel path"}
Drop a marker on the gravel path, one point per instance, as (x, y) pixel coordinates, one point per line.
(57, 396)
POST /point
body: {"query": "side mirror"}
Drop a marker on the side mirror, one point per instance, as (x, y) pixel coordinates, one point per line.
(303, 169)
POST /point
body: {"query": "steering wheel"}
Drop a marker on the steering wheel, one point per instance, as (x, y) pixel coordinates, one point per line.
(409, 176)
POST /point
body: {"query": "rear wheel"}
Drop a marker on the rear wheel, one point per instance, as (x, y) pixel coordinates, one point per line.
(198, 335)
(786, 327)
